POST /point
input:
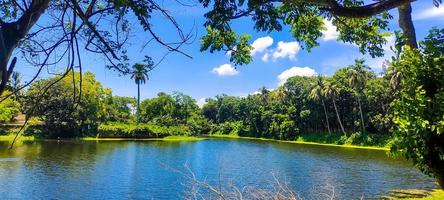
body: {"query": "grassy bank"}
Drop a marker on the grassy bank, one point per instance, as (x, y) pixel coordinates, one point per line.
(320, 139)
(19, 138)
(434, 195)
(168, 139)
(413, 194)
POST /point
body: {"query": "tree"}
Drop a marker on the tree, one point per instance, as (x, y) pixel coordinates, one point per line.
(68, 109)
(63, 30)
(177, 109)
(317, 93)
(357, 21)
(419, 111)
(140, 76)
(358, 76)
(332, 91)
(9, 108)
(120, 109)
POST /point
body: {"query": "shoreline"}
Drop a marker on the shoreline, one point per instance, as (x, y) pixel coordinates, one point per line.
(9, 138)
(168, 138)
(300, 142)
(197, 138)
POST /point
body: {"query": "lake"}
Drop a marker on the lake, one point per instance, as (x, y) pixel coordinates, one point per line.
(156, 169)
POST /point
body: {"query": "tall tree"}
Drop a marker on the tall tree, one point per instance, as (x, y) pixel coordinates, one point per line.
(140, 75)
(332, 91)
(357, 79)
(64, 111)
(419, 111)
(317, 93)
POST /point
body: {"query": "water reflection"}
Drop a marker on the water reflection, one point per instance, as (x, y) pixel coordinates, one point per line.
(142, 170)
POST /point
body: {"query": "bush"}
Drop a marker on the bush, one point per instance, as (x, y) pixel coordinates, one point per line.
(35, 130)
(228, 128)
(118, 130)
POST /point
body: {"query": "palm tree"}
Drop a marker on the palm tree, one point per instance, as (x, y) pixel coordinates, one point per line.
(317, 94)
(332, 91)
(140, 76)
(357, 79)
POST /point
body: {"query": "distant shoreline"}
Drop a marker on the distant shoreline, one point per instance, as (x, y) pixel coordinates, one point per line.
(198, 138)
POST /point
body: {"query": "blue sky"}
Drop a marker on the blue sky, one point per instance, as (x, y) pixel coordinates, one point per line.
(277, 56)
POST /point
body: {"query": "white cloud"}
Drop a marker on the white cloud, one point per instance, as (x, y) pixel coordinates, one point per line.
(266, 57)
(430, 12)
(331, 32)
(201, 102)
(261, 44)
(286, 49)
(295, 71)
(225, 70)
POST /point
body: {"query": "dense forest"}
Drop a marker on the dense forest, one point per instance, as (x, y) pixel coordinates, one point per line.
(318, 104)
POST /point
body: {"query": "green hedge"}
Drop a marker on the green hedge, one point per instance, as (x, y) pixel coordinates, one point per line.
(118, 130)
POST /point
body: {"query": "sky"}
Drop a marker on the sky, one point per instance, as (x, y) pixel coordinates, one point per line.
(276, 57)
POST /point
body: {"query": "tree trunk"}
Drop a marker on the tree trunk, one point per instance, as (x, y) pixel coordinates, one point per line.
(12, 33)
(339, 119)
(362, 116)
(326, 117)
(406, 24)
(138, 103)
(5, 54)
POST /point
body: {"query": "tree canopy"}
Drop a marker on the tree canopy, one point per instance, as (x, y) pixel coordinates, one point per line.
(359, 22)
(38, 30)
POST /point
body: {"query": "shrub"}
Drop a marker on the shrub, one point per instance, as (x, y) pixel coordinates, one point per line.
(118, 130)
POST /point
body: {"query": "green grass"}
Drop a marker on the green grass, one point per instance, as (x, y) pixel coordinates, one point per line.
(222, 136)
(19, 138)
(300, 140)
(434, 195)
(168, 139)
(414, 194)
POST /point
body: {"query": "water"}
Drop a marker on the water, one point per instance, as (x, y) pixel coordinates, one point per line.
(155, 169)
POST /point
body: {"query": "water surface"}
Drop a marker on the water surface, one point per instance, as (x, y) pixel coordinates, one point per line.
(153, 169)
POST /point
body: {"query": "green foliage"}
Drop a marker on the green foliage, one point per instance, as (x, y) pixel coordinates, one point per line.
(228, 128)
(65, 111)
(169, 110)
(9, 108)
(119, 109)
(238, 46)
(119, 130)
(305, 19)
(419, 111)
(357, 138)
(304, 104)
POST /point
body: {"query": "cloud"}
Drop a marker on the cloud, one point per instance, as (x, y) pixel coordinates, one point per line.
(266, 57)
(430, 12)
(201, 102)
(331, 32)
(225, 70)
(261, 44)
(286, 49)
(295, 71)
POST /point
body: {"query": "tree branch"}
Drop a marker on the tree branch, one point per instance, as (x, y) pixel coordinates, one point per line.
(366, 10)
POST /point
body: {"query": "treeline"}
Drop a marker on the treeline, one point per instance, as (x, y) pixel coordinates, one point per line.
(353, 100)
(78, 105)
(308, 105)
